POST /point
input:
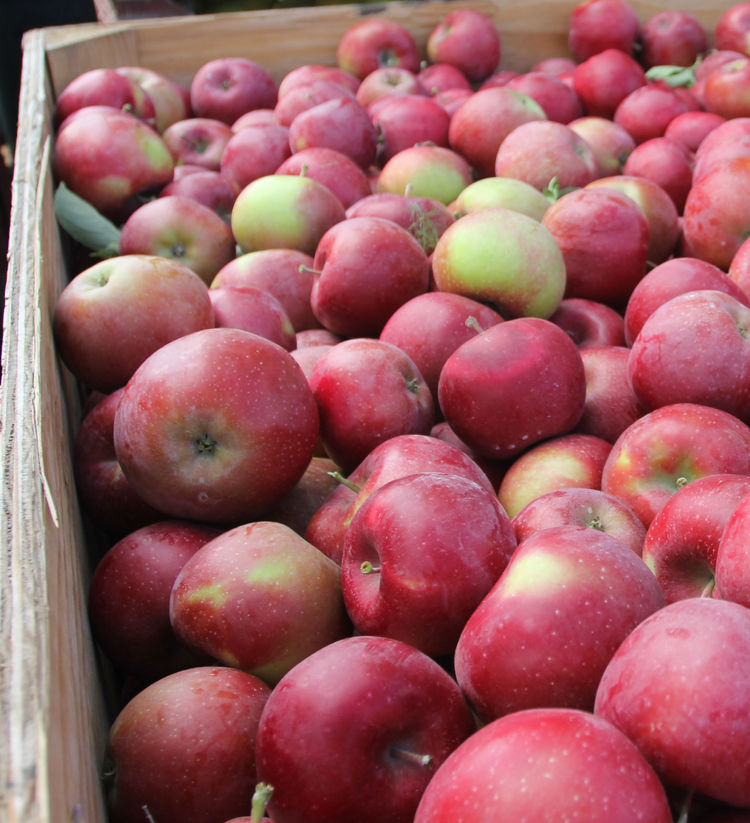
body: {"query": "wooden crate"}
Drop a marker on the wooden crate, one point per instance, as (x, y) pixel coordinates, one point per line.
(53, 717)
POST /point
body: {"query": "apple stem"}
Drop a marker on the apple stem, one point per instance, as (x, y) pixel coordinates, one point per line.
(261, 796)
(345, 481)
(367, 568)
(596, 523)
(306, 269)
(681, 481)
(424, 760)
(147, 814)
(472, 323)
(685, 809)
(708, 589)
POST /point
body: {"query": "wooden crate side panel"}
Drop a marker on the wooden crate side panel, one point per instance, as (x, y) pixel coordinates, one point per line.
(52, 718)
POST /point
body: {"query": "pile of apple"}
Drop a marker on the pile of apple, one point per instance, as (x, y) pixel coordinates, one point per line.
(418, 425)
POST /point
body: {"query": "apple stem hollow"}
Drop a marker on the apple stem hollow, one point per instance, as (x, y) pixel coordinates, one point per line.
(366, 567)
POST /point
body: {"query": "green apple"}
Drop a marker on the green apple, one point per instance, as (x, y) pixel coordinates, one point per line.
(426, 170)
(501, 193)
(504, 258)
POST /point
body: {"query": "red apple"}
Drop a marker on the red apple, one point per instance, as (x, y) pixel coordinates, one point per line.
(104, 87)
(596, 25)
(114, 314)
(671, 687)
(226, 87)
(589, 323)
(407, 120)
(546, 631)
(260, 598)
(304, 96)
(573, 506)
(609, 141)
(334, 169)
(489, 387)
(604, 79)
(731, 566)
(692, 127)
(739, 271)
(558, 99)
(171, 99)
(367, 267)
(419, 556)
(646, 111)
(468, 40)
(216, 426)
(666, 449)
(437, 77)
(162, 742)
(368, 391)
(425, 170)
(209, 188)
(667, 163)
(254, 152)
(285, 273)
(180, 229)
(388, 81)
(396, 457)
(683, 539)
(375, 42)
(672, 37)
(254, 310)
(732, 29)
(366, 709)
(128, 601)
(298, 505)
(562, 462)
(198, 141)
(545, 765)
(309, 72)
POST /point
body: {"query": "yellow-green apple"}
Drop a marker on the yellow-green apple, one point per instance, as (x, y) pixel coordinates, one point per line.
(284, 211)
(180, 228)
(375, 42)
(394, 458)
(667, 163)
(693, 349)
(367, 267)
(611, 404)
(545, 765)
(437, 77)
(591, 508)
(589, 322)
(657, 207)
(104, 87)
(423, 217)
(108, 157)
(671, 687)
(467, 39)
(163, 740)
(645, 112)
(669, 279)
(254, 152)
(609, 141)
(216, 426)
(501, 193)
(425, 170)
(285, 273)
(388, 81)
(596, 25)
(481, 123)
(682, 541)
(731, 569)
(111, 316)
(171, 99)
(334, 169)
(603, 239)
(128, 599)
(260, 598)
(255, 310)
(691, 128)
(363, 709)
(299, 504)
(504, 258)
(562, 462)
(716, 216)
(542, 150)
(549, 626)
(419, 555)
(308, 72)
(368, 391)
(104, 493)
(672, 37)
(197, 141)
(666, 449)
(304, 96)
(431, 326)
(226, 87)
(559, 100)
(407, 120)
(342, 124)
(513, 385)
(208, 187)
(604, 79)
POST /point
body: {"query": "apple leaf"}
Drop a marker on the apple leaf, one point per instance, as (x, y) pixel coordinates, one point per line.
(86, 224)
(675, 76)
